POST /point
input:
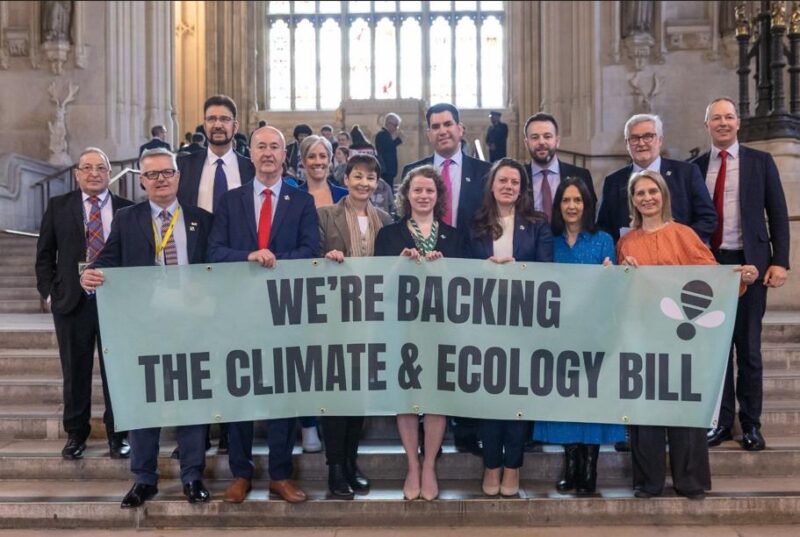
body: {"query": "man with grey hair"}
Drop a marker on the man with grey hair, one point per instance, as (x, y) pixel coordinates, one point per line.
(74, 229)
(691, 204)
(386, 142)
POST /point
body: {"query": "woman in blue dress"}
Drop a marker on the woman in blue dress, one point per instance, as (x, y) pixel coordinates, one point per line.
(576, 240)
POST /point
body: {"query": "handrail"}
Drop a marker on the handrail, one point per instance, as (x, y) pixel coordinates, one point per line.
(120, 174)
(20, 233)
(59, 173)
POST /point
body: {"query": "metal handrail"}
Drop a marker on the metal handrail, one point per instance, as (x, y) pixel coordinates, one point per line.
(20, 233)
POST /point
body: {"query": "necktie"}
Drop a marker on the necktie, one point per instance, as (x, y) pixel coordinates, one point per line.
(547, 196)
(170, 250)
(94, 230)
(448, 187)
(719, 201)
(265, 220)
(220, 184)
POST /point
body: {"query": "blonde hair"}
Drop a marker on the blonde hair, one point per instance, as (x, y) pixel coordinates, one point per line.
(666, 200)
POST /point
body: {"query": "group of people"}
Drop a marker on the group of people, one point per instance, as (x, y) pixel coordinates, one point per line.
(216, 206)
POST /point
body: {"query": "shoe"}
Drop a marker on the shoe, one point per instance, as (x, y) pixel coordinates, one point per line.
(572, 464)
(752, 440)
(693, 495)
(491, 481)
(718, 435)
(429, 489)
(411, 491)
(510, 485)
(357, 480)
(237, 491)
(639, 493)
(196, 492)
(624, 446)
(74, 448)
(118, 448)
(338, 486)
(587, 478)
(470, 444)
(138, 494)
(288, 490)
(175, 455)
(311, 441)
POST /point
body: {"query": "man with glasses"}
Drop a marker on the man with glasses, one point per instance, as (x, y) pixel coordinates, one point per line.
(159, 231)
(74, 229)
(691, 203)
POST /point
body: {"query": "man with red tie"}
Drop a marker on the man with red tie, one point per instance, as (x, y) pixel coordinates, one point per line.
(745, 185)
(262, 222)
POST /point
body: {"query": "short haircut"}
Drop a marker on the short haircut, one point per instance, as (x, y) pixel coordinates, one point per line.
(391, 115)
(362, 160)
(302, 128)
(156, 129)
(666, 199)
(158, 152)
(220, 100)
(539, 116)
(326, 128)
(587, 219)
(439, 108)
(401, 200)
(643, 118)
(717, 100)
(198, 138)
(312, 140)
(262, 123)
(344, 133)
(98, 151)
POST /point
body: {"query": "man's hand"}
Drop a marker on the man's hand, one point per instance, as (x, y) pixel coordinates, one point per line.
(775, 276)
(264, 257)
(91, 279)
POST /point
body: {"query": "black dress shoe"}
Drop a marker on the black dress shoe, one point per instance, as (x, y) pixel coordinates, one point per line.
(718, 435)
(471, 444)
(74, 448)
(752, 440)
(196, 492)
(119, 448)
(358, 481)
(138, 494)
(338, 486)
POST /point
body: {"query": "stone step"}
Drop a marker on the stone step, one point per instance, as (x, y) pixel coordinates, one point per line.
(40, 391)
(95, 504)
(782, 385)
(18, 281)
(25, 269)
(19, 260)
(30, 305)
(15, 293)
(28, 250)
(780, 327)
(26, 338)
(781, 356)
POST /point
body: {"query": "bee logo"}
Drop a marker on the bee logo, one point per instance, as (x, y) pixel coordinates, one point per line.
(696, 297)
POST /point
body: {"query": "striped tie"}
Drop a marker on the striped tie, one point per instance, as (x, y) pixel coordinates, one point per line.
(170, 250)
(94, 230)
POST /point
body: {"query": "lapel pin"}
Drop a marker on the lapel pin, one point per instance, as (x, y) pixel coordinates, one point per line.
(669, 172)
(286, 197)
(192, 226)
(442, 236)
(521, 227)
(467, 179)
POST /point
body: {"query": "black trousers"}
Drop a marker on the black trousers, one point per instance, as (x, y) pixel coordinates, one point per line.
(503, 442)
(342, 435)
(688, 459)
(78, 335)
(748, 387)
(144, 453)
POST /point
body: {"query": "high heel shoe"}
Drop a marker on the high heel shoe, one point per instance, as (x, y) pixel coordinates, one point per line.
(491, 481)
(510, 484)
(411, 492)
(432, 492)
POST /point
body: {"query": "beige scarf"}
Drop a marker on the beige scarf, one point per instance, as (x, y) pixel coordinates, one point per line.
(362, 245)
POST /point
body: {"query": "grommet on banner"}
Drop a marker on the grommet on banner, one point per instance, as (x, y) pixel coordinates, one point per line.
(713, 423)
(627, 268)
(625, 419)
(322, 410)
(209, 268)
(415, 408)
(315, 263)
(218, 418)
(105, 350)
(519, 414)
(523, 266)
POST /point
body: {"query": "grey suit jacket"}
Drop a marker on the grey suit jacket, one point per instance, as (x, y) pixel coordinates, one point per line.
(333, 232)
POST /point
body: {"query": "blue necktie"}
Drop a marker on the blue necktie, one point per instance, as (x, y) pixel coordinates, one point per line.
(220, 185)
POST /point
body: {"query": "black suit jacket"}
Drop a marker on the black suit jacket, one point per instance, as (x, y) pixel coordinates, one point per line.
(132, 244)
(386, 146)
(765, 242)
(691, 204)
(568, 170)
(392, 239)
(61, 246)
(473, 177)
(152, 144)
(191, 168)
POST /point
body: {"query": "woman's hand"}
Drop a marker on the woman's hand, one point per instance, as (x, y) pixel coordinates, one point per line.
(501, 260)
(335, 255)
(434, 255)
(411, 253)
(749, 273)
(607, 262)
(629, 261)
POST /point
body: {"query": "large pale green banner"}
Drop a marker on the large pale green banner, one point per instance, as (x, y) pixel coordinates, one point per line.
(381, 336)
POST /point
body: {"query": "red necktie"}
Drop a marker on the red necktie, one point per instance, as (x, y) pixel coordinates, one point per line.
(547, 196)
(719, 201)
(448, 187)
(94, 230)
(265, 220)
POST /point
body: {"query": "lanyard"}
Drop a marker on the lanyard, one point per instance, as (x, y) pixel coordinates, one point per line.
(160, 246)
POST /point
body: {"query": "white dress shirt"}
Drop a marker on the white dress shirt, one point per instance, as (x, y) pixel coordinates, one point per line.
(205, 195)
(456, 166)
(731, 209)
(106, 211)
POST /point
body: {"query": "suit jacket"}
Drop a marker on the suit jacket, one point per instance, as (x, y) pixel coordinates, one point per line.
(473, 177)
(193, 147)
(568, 170)
(294, 233)
(691, 204)
(191, 168)
(386, 146)
(132, 244)
(337, 192)
(333, 231)
(765, 242)
(152, 144)
(533, 241)
(392, 239)
(61, 246)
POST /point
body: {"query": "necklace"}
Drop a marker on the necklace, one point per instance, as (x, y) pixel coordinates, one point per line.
(425, 246)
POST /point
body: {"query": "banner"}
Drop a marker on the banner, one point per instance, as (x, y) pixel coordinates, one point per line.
(381, 336)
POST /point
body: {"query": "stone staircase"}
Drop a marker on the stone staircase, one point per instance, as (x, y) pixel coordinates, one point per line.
(18, 292)
(40, 490)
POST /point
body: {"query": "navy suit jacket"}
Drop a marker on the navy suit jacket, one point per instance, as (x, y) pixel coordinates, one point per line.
(691, 204)
(765, 242)
(533, 241)
(294, 233)
(473, 177)
(152, 144)
(191, 168)
(337, 192)
(131, 242)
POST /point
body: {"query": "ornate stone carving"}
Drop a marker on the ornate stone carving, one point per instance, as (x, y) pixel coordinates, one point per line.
(56, 20)
(689, 37)
(645, 98)
(637, 17)
(58, 127)
(182, 29)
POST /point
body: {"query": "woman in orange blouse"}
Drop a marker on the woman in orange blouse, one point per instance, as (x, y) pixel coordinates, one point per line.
(655, 239)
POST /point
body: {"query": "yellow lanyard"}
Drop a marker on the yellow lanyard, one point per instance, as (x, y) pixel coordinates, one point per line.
(163, 244)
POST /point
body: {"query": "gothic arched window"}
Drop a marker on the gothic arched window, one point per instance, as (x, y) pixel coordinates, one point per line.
(321, 52)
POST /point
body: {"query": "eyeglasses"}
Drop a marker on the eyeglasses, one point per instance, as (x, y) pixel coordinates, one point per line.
(646, 138)
(222, 119)
(169, 173)
(97, 169)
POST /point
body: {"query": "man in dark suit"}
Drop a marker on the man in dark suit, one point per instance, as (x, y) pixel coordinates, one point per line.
(542, 141)
(159, 139)
(264, 221)
(207, 175)
(496, 137)
(386, 142)
(73, 231)
(745, 185)
(691, 204)
(159, 231)
(197, 145)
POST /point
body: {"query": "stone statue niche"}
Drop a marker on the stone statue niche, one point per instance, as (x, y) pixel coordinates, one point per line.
(637, 22)
(56, 21)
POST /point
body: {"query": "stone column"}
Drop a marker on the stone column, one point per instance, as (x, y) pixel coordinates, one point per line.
(190, 64)
(160, 40)
(524, 68)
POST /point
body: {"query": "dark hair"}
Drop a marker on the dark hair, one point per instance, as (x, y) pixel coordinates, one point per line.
(487, 219)
(587, 219)
(539, 116)
(188, 136)
(345, 133)
(220, 100)
(358, 137)
(362, 160)
(302, 128)
(198, 138)
(262, 123)
(442, 107)
(155, 129)
(326, 128)
(401, 200)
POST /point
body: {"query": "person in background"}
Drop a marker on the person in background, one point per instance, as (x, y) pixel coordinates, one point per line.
(343, 139)
(496, 137)
(293, 161)
(340, 157)
(326, 131)
(386, 142)
(360, 145)
(159, 139)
